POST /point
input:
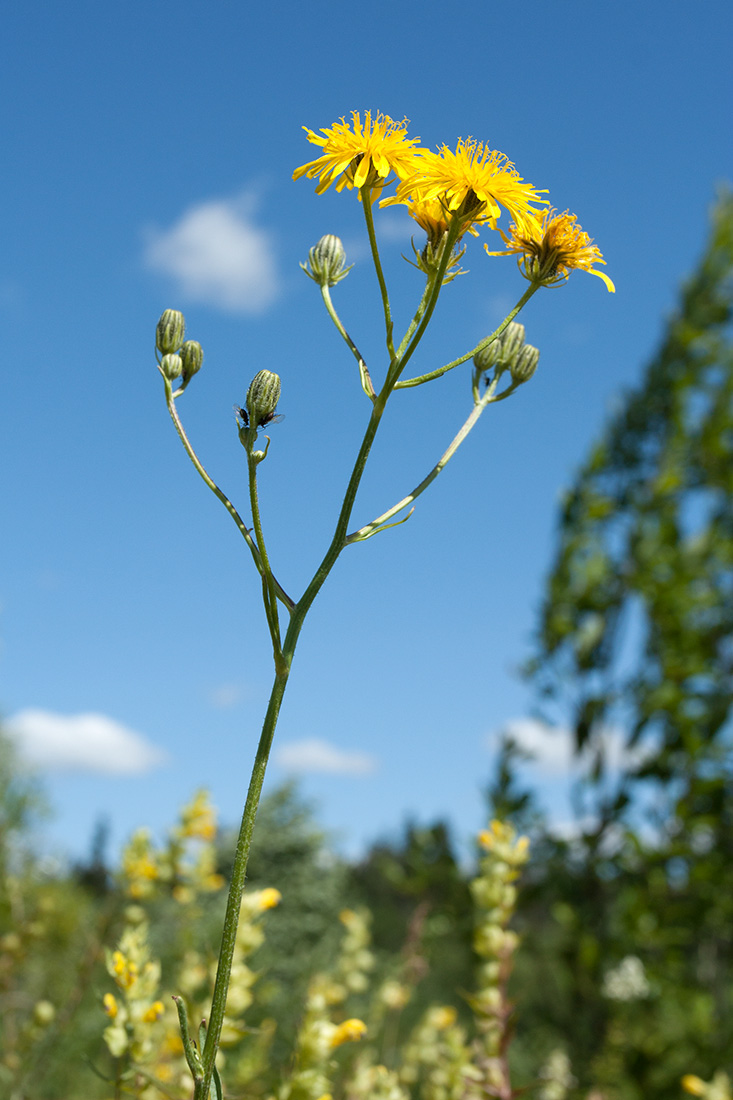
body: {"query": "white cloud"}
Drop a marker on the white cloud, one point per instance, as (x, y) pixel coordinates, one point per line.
(218, 256)
(317, 756)
(552, 746)
(82, 743)
(226, 696)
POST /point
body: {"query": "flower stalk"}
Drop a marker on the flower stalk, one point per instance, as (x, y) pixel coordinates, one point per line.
(448, 194)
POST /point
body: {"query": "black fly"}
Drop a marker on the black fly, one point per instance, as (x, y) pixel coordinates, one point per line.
(271, 418)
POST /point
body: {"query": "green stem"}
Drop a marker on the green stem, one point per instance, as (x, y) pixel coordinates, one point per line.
(419, 323)
(244, 841)
(371, 528)
(243, 530)
(418, 381)
(269, 595)
(366, 200)
(366, 382)
(236, 887)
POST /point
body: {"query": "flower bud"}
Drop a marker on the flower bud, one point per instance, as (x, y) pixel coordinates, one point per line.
(43, 1013)
(511, 342)
(326, 261)
(262, 398)
(525, 364)
(192, 356)
(485, 358)
(170, 331)
(172, 367)
(502, 351)
(490, 1000)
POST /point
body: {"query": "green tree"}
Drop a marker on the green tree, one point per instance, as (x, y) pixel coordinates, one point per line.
(637, 628)
(635, 653)
(420, 901)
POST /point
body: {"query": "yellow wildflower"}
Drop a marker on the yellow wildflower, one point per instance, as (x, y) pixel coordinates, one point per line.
(348, 1032)
(125, 971)
(550, 246)
(140, 865)
(355, 154)
(431, 215)
(110, 1005)
(269, 898)
(443, 1017)
(694, 1085)
(154, 1013)
(198, 818)
(473, 183)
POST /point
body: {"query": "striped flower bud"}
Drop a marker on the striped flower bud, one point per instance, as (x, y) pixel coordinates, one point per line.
(262, 398)
(502, 351)
(525, 364)
(172, 366)
(170, 330)
(511, 342)
(326, 261)
(192, 356)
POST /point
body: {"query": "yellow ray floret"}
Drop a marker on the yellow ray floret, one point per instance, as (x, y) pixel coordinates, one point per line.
(356, 153)
(549, 246)
(349, 1031)
(474, 180)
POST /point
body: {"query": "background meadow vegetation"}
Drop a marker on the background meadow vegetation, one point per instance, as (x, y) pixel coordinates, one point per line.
(622, 981)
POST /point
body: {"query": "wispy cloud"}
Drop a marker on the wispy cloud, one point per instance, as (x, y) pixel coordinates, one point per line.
(82, 743)
(226, 696)
(218, 255)
(552, 746)
(316, 756)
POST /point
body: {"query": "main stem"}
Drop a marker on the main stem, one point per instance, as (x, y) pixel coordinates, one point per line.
(244, 840)
(236, 887)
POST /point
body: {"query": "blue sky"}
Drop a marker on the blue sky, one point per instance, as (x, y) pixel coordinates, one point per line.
(149, 149)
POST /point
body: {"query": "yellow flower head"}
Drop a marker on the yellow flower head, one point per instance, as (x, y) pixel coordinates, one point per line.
(110, 1005)
(198, 818)
(358, 153)
(475, 182)
(348, 1032)
(432, 216)
(550, 246)
(269, 898)
(693, 1085)
(442, 1017)
(124, 970)
(153, 1013)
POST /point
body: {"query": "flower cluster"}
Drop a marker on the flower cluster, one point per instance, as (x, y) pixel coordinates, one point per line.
(450, 192)
(495, 896)
(717, 1089)
(145, 1031)
(373, 1082)
(136, 1008)
(556, 1076)
(186, 866)
(319, 1035)
(437, 1058)
(627, 981)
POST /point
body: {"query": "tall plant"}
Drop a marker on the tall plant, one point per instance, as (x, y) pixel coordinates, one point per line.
(450, 195)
